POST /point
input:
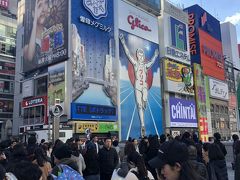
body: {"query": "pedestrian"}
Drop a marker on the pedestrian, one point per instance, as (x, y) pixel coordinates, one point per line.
(198, 166)
(32, 145)
(138, 170)
(217, 140)
(108, 160)
(143, 145)
(135, 143)
(235, 140)
(116, 146)
(57, 143)
(92, 171)
(77, 156)
(162, 139)
(62, 156)
(41, 160)
(237, 161)
(95, 142)
(172, 162)
(217, 168)
(24, 171)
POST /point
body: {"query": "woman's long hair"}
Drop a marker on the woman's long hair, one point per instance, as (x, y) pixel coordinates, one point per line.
(40, 156)
(188, 172)
(138, 161)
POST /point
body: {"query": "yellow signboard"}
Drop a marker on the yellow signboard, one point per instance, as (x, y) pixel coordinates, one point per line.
(95, 127)
(174, 71)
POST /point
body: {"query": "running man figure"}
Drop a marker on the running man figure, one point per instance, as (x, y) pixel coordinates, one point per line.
(140, 85)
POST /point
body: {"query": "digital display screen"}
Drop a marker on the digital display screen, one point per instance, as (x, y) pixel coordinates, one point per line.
(89, 111)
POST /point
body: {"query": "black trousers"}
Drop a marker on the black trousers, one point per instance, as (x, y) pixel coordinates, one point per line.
(105, 176)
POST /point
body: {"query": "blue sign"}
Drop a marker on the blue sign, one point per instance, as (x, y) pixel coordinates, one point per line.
(94, 69)
(200, 19)
(178, 34)
(182, 112)
(93, 112)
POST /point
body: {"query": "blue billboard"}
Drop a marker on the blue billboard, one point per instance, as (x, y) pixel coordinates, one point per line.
(140, 89)
(94, 70)
(200, 19)
(178, 34)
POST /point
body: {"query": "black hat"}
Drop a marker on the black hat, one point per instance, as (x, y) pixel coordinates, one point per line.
(170, 153)
(63, 151)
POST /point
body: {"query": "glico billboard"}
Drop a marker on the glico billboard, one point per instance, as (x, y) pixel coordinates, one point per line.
(198, 18)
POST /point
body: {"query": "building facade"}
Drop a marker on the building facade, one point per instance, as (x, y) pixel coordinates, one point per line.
(8, 27)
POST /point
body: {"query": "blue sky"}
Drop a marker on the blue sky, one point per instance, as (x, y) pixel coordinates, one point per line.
(223, 10)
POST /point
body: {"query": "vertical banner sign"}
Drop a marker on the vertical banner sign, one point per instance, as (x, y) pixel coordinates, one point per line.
(201, 102)
(56, 84)
(140, 94)
(94, 69)
(45, 33)
(210, 132)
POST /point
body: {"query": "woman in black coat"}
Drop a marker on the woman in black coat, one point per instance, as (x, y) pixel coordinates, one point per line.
(217, 167)
(237, 160)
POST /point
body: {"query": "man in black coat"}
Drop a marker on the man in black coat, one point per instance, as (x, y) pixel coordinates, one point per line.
(217, 140)
(108, 160)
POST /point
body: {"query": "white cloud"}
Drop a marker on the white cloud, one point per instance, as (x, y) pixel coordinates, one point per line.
(123, 72)
(234, 19)
(156, 79)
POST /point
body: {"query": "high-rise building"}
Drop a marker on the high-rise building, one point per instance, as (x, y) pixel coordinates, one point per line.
(8, 26)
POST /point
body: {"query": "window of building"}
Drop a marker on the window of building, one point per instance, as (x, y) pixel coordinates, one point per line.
(33, 115)
(41, 86)
(226, 110)
(6, 106)
(217, 109)
(20, 109)
(6, 87)
(212, 108)
(222, 110)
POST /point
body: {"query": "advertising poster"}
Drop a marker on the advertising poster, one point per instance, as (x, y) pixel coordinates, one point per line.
(212, 59)
(200, 19)
(95, 127)
(182, 113)
(45, 33)
(178, 78)
(237, 85)
(218, 89)
(140, 93)
(201, 102)
(56, 84)
(94, 67)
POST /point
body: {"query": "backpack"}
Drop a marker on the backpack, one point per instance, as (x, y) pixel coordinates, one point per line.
(67, 173)
(138, 176)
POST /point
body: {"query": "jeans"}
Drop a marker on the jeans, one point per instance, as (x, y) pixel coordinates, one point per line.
(92, 177)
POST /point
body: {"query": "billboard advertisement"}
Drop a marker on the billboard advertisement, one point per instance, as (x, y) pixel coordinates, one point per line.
(174, 34)
(45, 33)
(153, 6)
(28, 88)
(56, 84)
(237, 85)
(200, 19)
(201, 102)
(212, 59)
(182, 113)
(178, 78)
(218, 89)
(94, 66)
(140, 93)
(95, 127)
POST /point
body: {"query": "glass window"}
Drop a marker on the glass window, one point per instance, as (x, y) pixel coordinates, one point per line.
(212, 108)
(217, 109)
(6, 106)
(41, 86)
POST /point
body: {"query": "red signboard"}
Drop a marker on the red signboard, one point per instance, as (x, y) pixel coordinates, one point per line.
(232, 101)
(212, 59)
(42, 100)
(4, 3)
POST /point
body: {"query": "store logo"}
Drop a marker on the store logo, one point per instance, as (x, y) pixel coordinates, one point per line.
(135, 22)
(204, 19)
(97, 8)
(178, 32)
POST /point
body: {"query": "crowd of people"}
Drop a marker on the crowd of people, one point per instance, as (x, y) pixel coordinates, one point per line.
(149, 158)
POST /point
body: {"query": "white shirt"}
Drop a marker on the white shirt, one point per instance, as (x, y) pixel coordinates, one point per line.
(132, 176)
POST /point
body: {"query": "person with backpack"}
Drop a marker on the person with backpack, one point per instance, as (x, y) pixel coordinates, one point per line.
(138, 170)
(66, 167)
